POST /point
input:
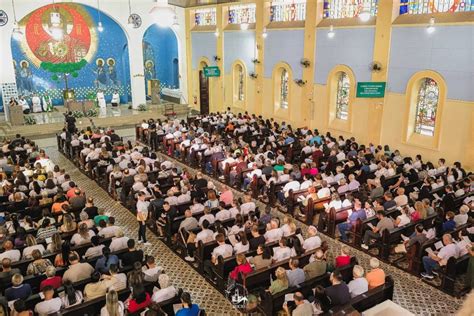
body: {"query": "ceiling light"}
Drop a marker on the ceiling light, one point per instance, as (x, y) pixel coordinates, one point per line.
(431, 28)
(244, 26)
(264, 34)
(216, 33)
(162, 14)
(331, 32)
(100, 28)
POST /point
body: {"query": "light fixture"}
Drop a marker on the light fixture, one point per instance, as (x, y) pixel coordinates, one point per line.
(162, 14)
(100, 27)
(17, 32)
(431, 28)
(364, 15)
(331, 32)
(264, 34)
(216, 33)
(244, 26)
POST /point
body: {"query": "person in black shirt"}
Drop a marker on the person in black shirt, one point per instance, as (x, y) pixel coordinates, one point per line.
(338, 293)
(256, 239)
(90, 209)
(448, 202)
(133, 255)
(70, 122)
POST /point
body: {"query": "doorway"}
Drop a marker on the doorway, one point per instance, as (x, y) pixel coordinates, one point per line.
(203, 92)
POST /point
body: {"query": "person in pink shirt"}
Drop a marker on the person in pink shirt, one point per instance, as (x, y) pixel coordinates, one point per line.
(242, 267)
(226, 196)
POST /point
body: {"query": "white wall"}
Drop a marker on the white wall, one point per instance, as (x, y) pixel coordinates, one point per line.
(117, 10)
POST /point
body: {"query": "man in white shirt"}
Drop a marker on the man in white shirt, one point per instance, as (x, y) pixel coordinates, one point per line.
(359, 284)
(151, 270)
(184, 197)
(256, 171)
(110, 230)
(95, 250)
(205, 235)
(248, 205)
(223, 214)
(434, 260)
(13, 254)
(282, 252)
(313, 241)
(274, 233)
(292, 184)
(401, 199)
(166, 291)
(49, 305)
(353, 183)
(324, 191)
(223, 249)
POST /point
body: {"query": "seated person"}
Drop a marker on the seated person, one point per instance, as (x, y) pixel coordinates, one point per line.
(376, 276)
(263, 258)
(338, 292)
(316, 268)
(18, 290)
(344, 258)
(359, 284)
(436, 259)
(280, 283)
(50, 304)
(242, 267)
(376, 232)
(166, 291)
(189, 309)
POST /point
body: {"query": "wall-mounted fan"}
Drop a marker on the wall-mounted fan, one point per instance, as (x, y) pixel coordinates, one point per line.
(375, 66)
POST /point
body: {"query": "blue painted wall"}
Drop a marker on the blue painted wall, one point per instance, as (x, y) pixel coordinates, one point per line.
(160, 45)
(239, 45)
(351, 47)
(449, 51)
(111, 43)
(286, 46)
(203, 45)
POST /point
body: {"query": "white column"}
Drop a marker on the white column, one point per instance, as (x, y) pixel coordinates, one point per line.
(137, 79)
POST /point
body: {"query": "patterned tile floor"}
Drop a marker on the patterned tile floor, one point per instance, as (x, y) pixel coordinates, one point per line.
(410, 292)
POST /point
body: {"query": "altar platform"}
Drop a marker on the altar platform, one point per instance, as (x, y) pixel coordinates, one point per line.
(48, 124)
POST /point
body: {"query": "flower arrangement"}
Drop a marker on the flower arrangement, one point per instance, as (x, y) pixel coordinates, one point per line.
(78, 114)
(92, 113)
(142, 108)
(29, 120)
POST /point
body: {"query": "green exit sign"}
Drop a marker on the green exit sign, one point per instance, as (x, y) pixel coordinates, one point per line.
(371, 89)
(212, 71)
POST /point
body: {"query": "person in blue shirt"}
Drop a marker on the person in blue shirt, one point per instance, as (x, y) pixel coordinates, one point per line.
(189, 309)
(450, 224)
(18, 290)
(103, 263)
(357, 213)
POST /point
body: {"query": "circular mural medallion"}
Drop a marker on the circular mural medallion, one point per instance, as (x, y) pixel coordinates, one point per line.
(3, 18)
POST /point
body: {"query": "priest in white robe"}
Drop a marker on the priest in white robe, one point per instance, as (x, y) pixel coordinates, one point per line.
(36, 101)
(101, 99)
(24, 105)
(115, 99)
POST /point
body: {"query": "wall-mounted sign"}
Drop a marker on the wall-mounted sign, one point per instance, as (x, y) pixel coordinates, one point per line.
(371, 89)
(212, 71)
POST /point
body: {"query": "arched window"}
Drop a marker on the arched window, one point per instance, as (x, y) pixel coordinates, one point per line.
(284, 88)
(239, 82)
(426, 107)
(342, 96)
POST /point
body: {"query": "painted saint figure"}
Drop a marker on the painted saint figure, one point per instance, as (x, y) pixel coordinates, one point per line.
(101, 75)
(112, 71)
(26, 78)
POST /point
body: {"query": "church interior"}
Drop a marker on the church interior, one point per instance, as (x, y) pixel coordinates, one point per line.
(225, 157)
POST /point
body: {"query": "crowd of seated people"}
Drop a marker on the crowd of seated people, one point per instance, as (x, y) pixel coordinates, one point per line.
(367, 182)
(54, 241)
(188, 211)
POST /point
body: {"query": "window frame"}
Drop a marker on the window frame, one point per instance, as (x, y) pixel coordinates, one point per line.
(235, 82)
(279, 111)
(413, 87)
(332, 89)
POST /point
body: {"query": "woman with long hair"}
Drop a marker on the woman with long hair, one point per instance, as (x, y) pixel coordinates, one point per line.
(83, 235)
(69, 225)
(31, 246)
(138, 300)
(113, 307)
(72, 296)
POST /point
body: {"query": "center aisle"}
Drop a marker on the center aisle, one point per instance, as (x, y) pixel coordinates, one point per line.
(181, 274)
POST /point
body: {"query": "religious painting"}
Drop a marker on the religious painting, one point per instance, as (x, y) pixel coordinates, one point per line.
(59, 33)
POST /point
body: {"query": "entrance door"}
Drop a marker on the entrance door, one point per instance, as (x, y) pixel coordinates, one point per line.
(204, 92)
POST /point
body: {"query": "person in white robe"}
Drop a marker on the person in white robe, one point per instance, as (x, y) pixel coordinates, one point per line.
(115, 98)
(47, 103)
(24, 105)
(36, 101)
(101, 99)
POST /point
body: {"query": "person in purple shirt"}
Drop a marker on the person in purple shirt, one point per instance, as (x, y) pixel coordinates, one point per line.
(357, 213)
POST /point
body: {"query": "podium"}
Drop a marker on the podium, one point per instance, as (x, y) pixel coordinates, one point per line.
(16, 115)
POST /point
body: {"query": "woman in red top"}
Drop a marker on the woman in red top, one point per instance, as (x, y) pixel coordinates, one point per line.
(139, 299)
(344, 259)
(52, 279)
(242, 266)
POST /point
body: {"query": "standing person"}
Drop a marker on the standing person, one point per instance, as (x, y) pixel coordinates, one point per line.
(142, 216)
(24, 105)
(101, 99)
(115, 98)
(36, 102)
(70, 122)
(47, 103)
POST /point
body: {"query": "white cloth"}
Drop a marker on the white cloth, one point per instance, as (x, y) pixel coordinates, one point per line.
(24, 104)
(101, 99)
(116, 98)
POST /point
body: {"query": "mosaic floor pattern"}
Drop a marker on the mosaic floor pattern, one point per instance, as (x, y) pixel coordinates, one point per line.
(410, 292)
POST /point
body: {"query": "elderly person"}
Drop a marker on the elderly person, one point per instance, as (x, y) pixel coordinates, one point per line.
(166, 291)
(359, 284)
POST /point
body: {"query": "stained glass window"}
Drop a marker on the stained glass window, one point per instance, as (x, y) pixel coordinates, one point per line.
(426, 106)
(342, 96)
(242, 14)
(339, 9)
(288, 10)
(239, 78)
(205, 17)
(284, 88)
(435, 6)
